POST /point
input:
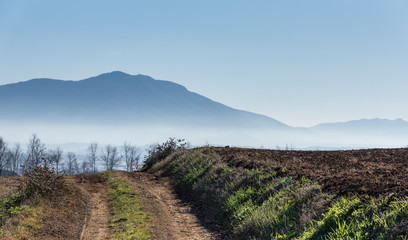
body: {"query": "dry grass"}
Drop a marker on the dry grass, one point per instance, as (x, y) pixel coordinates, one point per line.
(9, 185)
(55, 211)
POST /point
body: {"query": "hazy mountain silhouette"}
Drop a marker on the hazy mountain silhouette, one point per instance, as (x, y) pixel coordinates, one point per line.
(376, 125)
(120, 98)
(116, 106)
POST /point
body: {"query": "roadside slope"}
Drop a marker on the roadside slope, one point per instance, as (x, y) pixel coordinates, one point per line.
(251, 196)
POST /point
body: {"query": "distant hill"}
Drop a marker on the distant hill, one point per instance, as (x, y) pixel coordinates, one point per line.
(139, 105)
(120, 98)
(376, 125)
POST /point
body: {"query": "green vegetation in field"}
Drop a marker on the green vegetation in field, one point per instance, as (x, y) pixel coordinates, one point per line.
(128, 221)
(27, 220)
(246, 202)
(350, 219)
(24, 218)
(269, 204)
(9, 206)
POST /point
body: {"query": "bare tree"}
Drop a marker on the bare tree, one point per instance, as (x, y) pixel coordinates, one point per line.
(36, 153)
(131, 155)
(63, 167)
(3, 155)
(110, 156)
(16, 157)
(55, 156)
(8, 164)
(85, 167)
(93, 156)
(72, 163)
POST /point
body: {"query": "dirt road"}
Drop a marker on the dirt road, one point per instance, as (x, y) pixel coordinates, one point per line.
(173, 219)
(94, 188)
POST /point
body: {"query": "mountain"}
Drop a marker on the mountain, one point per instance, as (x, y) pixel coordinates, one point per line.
(367, 126)
(116, 106)
(120, 98)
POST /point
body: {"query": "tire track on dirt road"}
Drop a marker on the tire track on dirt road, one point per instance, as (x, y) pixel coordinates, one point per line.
(96, 225)
(172, 218)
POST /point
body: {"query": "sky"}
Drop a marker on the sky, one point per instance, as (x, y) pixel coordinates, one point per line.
(300, 62)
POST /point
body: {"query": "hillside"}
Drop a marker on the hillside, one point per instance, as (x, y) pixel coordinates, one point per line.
(120, 98)
(367, 126)
(269, 194)
(222, 193)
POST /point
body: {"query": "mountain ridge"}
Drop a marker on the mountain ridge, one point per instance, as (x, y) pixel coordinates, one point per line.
(373, 124)
(119, 97)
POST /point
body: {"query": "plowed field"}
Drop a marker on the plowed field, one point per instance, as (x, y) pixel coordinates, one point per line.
(374, 172)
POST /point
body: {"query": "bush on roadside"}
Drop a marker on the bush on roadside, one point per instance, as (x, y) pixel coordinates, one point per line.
(41, 181)
(158, 152)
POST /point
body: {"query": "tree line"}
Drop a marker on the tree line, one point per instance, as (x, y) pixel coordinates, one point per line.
(15, 161)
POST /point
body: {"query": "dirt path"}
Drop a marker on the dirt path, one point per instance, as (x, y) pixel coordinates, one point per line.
(172, 219)
(96, 225)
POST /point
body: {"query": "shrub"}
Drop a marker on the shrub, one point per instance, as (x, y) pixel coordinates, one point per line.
(41, 181)
(158, 152)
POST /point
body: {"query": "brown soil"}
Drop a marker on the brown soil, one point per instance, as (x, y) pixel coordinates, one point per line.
(172, 218)
(64, 215)
(374, 172)
(96, 223)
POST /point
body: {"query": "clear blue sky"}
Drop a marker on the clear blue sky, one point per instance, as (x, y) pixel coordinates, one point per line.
(301, 62)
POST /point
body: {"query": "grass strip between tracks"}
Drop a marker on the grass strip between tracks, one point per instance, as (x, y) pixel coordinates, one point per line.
(127, 220)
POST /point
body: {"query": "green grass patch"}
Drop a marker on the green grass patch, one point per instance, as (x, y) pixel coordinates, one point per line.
(351, 219)
(9, 207)
(127, 221)
(27, 220)
(23, 218)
